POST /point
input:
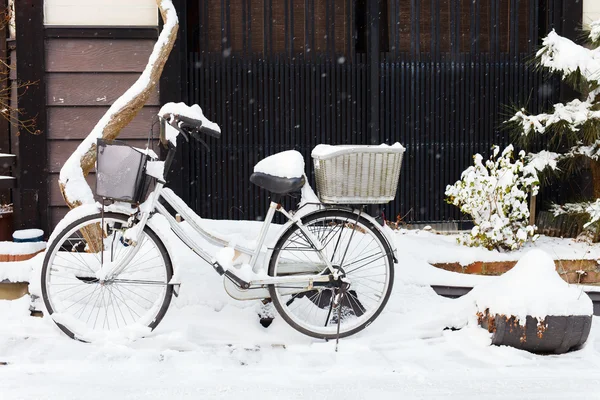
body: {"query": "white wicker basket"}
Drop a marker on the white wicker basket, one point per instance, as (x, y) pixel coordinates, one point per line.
(357, 174)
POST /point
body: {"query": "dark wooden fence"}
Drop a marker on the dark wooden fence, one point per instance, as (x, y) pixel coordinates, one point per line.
(439, 76)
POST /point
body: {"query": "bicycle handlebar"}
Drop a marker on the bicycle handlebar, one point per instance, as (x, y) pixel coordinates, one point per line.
(188, 126)
(197, 125)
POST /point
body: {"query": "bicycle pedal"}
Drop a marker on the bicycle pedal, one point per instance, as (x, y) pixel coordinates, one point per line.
(266, 322)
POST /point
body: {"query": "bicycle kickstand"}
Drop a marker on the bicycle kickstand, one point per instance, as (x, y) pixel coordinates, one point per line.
(338, 303)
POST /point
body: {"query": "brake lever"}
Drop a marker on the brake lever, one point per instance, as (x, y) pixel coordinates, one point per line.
(197, 137)
(173, 123)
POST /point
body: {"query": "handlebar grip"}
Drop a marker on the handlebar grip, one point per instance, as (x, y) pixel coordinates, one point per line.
(189, 121)
(210, 132)
(197, 125)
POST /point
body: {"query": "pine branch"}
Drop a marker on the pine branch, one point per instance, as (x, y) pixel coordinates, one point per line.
(587, 208)
(572, 61)
(594, 34)
(566, 117)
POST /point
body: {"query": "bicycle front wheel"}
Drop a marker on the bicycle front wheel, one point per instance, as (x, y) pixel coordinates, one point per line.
(129, 304)
(356, 248)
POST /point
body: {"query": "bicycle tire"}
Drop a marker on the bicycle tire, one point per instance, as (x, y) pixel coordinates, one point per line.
(334, 218)
(158, 310)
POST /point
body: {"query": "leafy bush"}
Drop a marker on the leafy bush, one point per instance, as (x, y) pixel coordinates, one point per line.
(494, 194)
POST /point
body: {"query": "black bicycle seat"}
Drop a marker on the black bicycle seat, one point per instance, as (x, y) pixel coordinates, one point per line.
(276, 184)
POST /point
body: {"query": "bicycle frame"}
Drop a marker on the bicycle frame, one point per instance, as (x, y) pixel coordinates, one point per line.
(157, 201)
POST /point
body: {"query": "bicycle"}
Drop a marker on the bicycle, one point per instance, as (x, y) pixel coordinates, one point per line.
(329, 274)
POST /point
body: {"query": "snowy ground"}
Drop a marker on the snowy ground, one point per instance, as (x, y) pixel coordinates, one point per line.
(210, 346)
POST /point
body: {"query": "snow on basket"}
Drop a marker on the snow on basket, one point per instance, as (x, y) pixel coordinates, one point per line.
(355, 174)
(532, 308)
(120, 172)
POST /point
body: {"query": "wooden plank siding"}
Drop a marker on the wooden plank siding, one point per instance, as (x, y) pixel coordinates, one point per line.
(77, 122)
(90, 89)
(84, 76)
(92, 55)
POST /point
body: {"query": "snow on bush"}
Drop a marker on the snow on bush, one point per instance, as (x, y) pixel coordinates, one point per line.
(494, 194)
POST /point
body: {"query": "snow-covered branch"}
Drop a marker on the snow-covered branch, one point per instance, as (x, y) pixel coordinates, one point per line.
(585, 207)
(575, 113)
(540, 161)
(595, 31)
(72, 181)
(560, 54)
(592, 151)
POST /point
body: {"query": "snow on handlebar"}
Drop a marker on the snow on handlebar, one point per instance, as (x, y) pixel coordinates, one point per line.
(187, 120)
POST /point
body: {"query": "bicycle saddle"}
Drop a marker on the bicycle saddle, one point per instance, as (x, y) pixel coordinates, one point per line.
(276, 184)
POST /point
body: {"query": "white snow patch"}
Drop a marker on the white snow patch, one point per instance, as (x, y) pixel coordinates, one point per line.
(575, 113)
(225, 257)
(213, 346)
(562, 55)
(542, 160)
(156, 169)
(309, 201)
(287, 164)
(532, 287)
(595, 31)
(194, 111)
(72, 216)
(327, 150)
(27, 234)
(21, 248)
(149, 152)
(245, 272)
(20, 271)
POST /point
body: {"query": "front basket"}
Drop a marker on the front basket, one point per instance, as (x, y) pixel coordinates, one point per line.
(120, 172)
(357, 174)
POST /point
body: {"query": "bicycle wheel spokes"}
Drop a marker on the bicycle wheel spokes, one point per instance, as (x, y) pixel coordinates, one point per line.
(86, 307)
(357, 250)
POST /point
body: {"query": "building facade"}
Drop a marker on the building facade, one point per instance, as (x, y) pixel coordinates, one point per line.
(435, 75)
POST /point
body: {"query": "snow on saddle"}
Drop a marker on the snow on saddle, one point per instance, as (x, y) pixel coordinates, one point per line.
(280, 173)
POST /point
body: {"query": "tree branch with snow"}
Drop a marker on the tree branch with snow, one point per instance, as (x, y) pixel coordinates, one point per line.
(73, 185)
(571, 130)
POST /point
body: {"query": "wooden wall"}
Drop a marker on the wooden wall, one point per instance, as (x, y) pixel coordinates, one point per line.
(84, 76)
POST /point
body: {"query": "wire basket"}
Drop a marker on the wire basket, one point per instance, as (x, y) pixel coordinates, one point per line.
(357, 174)
(120, 172)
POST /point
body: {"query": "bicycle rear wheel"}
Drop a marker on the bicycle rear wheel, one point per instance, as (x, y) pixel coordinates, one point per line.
(129, 304)
(357, 249)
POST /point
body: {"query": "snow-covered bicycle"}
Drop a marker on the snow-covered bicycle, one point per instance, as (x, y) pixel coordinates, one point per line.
(109, 270)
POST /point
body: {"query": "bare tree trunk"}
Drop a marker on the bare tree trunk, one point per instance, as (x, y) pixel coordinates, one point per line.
(73, 185)
(122, 111)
